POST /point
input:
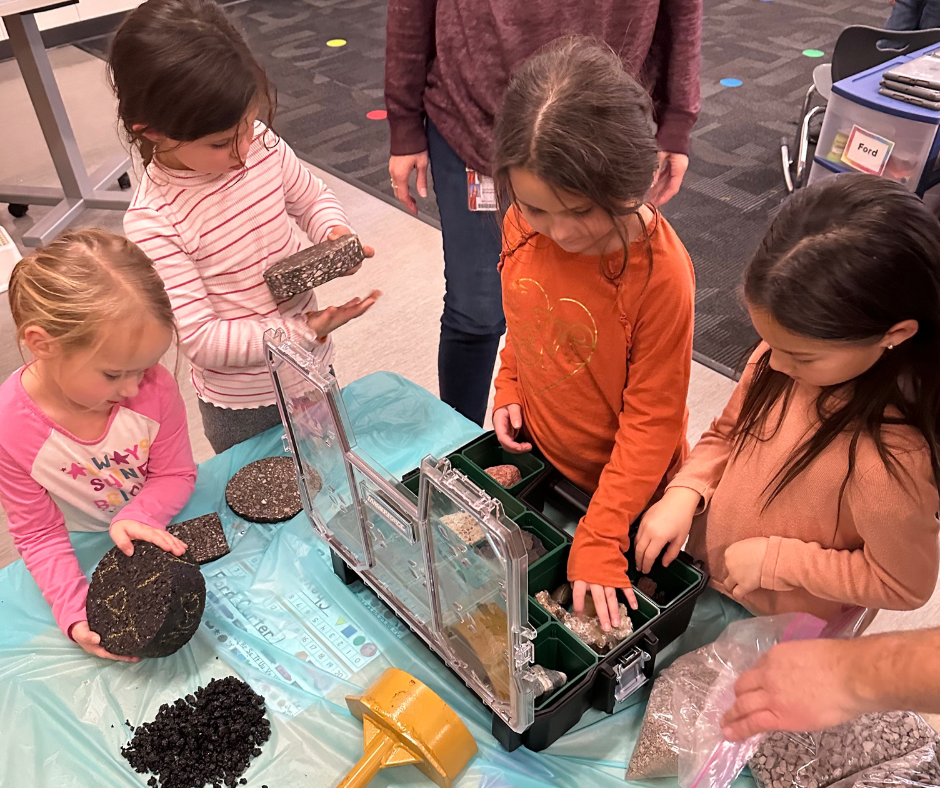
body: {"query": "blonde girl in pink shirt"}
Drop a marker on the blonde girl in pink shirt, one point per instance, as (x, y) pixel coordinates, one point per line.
(94, 431)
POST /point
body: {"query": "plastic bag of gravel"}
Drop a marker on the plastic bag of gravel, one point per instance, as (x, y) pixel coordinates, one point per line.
(706, 760)
(657, 752)
(919, 769)
(824, 758)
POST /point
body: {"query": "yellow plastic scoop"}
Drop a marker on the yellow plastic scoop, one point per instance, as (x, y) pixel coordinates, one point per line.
(405, 722)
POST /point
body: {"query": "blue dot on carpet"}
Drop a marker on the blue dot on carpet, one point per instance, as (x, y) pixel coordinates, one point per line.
(731, 83)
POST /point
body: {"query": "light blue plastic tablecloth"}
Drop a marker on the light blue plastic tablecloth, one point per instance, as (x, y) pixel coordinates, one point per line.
(271, 604)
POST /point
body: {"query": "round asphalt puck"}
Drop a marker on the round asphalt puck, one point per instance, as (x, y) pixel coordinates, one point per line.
(148, 604)
(265, 491)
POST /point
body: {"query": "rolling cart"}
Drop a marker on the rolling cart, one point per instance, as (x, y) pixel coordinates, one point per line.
(864, 131)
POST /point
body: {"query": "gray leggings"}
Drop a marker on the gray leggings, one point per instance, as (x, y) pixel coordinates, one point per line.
(225, 427)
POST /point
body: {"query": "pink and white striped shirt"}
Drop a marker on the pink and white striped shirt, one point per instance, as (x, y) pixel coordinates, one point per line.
(211, 238)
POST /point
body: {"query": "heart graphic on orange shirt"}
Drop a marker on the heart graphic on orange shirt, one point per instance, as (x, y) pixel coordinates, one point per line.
(554, 341)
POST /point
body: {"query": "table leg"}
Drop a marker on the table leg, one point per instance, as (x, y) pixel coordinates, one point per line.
(80, 190)
(31, 56)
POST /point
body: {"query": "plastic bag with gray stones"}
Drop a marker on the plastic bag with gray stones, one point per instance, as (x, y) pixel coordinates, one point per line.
(657, 750)
(826, 758)
(919, 769)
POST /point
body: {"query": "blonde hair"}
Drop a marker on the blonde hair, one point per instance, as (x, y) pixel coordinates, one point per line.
(74, 286)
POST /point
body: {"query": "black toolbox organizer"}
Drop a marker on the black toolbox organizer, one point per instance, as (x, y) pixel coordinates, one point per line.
(546, 504)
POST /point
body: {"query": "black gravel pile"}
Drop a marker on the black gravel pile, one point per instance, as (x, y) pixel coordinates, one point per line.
(207, 737)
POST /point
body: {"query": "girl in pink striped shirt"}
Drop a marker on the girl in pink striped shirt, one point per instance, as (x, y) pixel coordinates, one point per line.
(213, 210)
(94, 431)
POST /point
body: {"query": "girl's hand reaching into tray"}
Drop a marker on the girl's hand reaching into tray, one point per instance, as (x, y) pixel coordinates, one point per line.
(666, 524)
(507, 422)
(605, 602)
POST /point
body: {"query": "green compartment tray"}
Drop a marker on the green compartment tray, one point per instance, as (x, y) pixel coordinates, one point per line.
(548, 507)
(489, 485)
(412, 481)
(547, 575)
(538, 615)
(486, 452)
(672, 582)
(558, 649)
(547, 533)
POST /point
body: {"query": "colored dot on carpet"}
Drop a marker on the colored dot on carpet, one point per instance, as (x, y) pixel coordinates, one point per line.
(336, 42)
(377, 114)
(813, 52)
(731, 83)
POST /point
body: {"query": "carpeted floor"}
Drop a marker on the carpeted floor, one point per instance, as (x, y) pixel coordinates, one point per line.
(734, 183)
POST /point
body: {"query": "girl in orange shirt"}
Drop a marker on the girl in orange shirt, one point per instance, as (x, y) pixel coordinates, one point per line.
(598, 293)
(817, 486)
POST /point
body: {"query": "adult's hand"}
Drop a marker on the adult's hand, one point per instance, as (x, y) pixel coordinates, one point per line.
(672, 167)
(400, 168)
(806, 685)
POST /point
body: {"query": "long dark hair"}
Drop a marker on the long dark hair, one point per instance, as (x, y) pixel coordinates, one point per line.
(844, 261)
(180, 68)
(575, 118)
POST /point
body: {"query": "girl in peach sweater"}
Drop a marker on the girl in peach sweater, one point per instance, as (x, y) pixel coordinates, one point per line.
(817, 486)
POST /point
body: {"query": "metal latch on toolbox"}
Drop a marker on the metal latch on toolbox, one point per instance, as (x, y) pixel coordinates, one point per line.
(629, 674)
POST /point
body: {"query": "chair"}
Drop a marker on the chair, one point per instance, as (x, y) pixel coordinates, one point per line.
(857, 49)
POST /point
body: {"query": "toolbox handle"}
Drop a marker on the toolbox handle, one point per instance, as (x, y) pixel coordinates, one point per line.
(397, 513)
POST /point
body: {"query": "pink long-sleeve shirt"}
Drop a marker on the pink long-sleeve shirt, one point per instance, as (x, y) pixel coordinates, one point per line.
(211, 238)
(51, 482)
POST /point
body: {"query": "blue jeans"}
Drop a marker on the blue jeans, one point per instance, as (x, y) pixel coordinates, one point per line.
(472, 322)
(914, 15)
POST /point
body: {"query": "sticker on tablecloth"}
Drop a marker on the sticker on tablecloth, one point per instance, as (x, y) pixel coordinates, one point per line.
(301, 622)
(866, 151)
(317, 633)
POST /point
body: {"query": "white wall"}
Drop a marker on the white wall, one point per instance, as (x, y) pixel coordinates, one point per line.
(85, 9)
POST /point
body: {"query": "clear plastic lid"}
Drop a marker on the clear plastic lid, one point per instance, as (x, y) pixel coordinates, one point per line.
(449, 562)
(478, 569)
(315, 423)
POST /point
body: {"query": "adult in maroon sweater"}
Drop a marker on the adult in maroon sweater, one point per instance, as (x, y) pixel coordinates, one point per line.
(447, 65)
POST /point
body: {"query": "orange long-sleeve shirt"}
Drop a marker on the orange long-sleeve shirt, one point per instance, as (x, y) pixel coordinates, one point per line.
(601, 371)
(881, 550)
